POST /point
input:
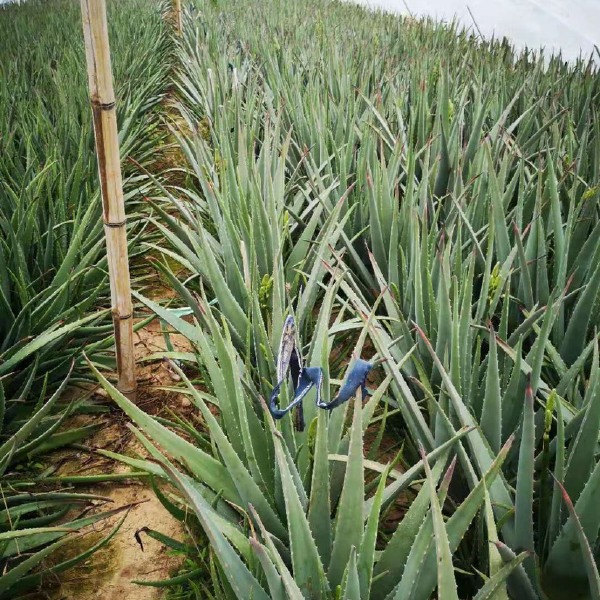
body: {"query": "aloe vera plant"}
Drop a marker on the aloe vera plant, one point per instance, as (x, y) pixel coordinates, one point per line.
(52, 263)
(402, 184)
(53, 283)
(305, 525)
(36, 519)
(441, 193)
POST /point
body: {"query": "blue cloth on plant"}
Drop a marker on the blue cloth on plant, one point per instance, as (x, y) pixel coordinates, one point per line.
(289, 363)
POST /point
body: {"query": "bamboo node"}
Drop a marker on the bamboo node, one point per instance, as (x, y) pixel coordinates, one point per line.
(103, 105)
(115, 225)
(125, 317)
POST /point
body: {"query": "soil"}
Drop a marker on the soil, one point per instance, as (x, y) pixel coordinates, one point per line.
(109, 574)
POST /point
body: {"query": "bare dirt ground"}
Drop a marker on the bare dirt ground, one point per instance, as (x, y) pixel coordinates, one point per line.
(109, 573)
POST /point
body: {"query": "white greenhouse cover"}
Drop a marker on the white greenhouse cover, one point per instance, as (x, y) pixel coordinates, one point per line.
(570, 26)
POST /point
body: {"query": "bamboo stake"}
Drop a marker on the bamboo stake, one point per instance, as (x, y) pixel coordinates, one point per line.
(178, 17)
(102, 99)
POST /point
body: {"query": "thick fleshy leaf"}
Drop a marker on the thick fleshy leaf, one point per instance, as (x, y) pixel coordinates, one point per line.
(389, 569)
(446, 582)
(497, 582)
(366, 556)
(319, 508)
(491, 414)
(307, 566)
(208, 469)
(351, 583)
(581, 460)
(239, 577)
(525, 473)
(565, 556)
(349, 524)
(589, 560)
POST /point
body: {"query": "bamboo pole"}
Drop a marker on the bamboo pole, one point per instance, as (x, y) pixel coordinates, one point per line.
(102, 99)
(178, 17)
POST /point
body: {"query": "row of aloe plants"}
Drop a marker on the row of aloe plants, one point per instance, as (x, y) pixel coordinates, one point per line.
(410, 193)
(54, 292)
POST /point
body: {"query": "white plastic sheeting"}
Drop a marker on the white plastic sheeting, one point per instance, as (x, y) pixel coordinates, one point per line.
(569, 26)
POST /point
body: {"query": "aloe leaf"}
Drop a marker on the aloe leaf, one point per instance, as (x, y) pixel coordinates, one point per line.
(393, 489)
(525, 475)
(239, 577)
(574, 341)
(555, 520)
(43, 340)
(11, 577)
(497, 210)
(33, 531)
(351, 583)
(204, 466)
(458, 524)
(389, 569)
(446, 582)
(349, 525)
(62, 439)
(16, 580)
(536, 355)
(569, 377)
(518, 583)
(581, 461)
(16, 441)
(290, 585)
(168, 316)
(420, 548)
(164, 539)
(491, 414)
(584, 546)
(22, 541)
(222, 515)
(2, 406)
(410, 408)
(498, 591)
(481, 451)
(174, 581)
(308, 568)
(274, 581)
(564, 558)
(246, 416)
(319, 510)
(366, 556)
(142, 465)
(489, 591)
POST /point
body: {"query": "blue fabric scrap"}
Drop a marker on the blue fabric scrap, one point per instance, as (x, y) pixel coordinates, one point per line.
(289, 363)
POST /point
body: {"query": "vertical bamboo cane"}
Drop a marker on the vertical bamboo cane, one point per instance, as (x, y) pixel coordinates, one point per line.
(102, 98)
(178, 17)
